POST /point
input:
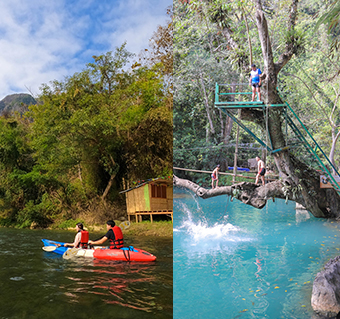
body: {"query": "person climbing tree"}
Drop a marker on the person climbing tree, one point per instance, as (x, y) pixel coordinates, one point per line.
(255, 82)
(214, 176)
(261, 170)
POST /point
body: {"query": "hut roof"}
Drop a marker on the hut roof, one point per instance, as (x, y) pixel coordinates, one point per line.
(158, 180)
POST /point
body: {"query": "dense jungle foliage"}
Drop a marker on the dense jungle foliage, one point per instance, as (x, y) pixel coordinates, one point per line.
(90, 136)
(203, 55)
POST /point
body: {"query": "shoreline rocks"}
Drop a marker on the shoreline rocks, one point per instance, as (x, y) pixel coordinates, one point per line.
(325, 299)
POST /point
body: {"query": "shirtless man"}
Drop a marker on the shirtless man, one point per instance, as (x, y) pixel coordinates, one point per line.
(261, 170)
(214, 176)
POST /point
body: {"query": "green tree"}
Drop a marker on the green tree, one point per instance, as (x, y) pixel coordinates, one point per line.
(87, 133)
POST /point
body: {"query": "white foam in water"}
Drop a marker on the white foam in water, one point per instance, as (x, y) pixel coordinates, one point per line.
(17, 278)
(205, 238)
(201, 230)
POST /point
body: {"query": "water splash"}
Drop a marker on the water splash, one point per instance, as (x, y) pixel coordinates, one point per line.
(202, 231)
(205, 237)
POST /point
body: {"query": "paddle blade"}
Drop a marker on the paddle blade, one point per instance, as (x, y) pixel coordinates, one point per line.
(69, 253)
(49, 248)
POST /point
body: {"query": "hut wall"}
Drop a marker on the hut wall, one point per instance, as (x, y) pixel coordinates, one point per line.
(170, 197)
(159, 204)
(138, 199)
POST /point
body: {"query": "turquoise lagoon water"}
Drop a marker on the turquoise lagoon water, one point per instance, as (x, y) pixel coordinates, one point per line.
(234, 261)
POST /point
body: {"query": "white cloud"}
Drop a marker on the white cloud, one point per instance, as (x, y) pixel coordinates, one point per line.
(42, 41)
(137, 27)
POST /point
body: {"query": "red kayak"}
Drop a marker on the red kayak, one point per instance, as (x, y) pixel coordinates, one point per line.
(123, 254)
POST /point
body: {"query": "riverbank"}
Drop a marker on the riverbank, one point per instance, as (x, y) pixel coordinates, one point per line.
(160, 228)
(145, 228)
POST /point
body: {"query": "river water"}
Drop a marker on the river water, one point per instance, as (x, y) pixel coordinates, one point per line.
(235, 261)
(37, 284)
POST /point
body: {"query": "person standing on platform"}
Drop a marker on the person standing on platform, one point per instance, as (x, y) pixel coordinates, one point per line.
(214, 176)
(255, 82)
(261, 170)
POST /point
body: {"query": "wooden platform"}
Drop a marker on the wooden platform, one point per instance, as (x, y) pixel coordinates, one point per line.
(139, 215)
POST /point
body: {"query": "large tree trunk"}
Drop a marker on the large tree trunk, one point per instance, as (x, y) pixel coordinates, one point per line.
(112, 177)
(335, 138)
(295, 174)
(229, 122)
(108, 186)
(206, 102)
(227, 131)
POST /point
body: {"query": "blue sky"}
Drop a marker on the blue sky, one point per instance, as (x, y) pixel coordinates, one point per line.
(44, 40)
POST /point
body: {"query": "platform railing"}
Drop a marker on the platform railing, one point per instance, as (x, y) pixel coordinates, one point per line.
(225, 105)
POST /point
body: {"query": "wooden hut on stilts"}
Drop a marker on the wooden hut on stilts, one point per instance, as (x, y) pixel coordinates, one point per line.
(152, 197)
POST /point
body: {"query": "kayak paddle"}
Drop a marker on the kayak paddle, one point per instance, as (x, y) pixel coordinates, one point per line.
(49, 248)
(69, 253)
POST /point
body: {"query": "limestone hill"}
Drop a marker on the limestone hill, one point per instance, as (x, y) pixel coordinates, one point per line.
(16, 103)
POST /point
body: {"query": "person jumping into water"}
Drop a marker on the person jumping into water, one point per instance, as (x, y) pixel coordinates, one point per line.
(255, 82)
(261, 170)
(214, 176)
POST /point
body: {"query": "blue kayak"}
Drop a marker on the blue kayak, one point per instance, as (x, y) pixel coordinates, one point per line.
(59, 250)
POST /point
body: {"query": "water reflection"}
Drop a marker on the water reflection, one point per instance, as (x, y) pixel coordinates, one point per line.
(301, 215)
(121, 283)
(37, 284)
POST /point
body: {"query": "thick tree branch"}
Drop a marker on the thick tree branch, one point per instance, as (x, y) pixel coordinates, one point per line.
(206, 100)
(291, 46)
(255, 116)
(248, 193)
(323, 204)
(266, 46)
(249, 41)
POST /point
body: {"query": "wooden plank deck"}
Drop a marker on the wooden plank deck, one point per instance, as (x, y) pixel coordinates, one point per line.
(138, 215)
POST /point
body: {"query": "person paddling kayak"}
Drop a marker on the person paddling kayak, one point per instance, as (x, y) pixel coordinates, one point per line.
(81, 238)
(114, 235)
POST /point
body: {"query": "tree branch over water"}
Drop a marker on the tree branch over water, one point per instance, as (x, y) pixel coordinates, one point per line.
(257, 196)
(248, 193)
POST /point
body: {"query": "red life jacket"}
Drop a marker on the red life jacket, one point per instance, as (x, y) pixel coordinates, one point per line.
(83, 239)
(119, 240)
